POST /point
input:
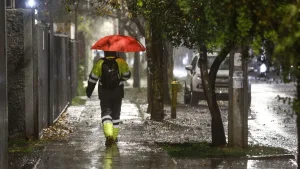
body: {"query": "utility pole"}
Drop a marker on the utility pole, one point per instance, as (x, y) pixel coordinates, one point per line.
(3, 90)
(238, 100)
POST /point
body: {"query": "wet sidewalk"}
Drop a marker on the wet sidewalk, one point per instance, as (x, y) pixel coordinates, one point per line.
(84, 148)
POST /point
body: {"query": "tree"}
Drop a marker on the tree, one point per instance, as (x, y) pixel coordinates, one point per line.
(212, 25)
(152, 10)
(200, 28)
(114, 8)
(275, 25)
(186, 23)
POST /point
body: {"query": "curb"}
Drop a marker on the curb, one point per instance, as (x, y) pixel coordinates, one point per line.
(267, 157)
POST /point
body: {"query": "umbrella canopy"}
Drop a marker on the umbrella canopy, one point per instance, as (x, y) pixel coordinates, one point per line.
(118, 43)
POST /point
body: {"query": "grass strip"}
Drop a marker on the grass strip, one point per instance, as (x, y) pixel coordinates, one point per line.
(22, 145)
(204, 150)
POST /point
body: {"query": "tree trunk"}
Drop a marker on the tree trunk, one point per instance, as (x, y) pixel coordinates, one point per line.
(136, 71)
(148, 38)
(156, 68)
(298, 119)
(170, 61)
(120, 27)
(298, 131)
(208, 82)
(166, 55)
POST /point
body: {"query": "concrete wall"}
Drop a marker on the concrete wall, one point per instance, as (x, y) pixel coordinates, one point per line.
(16, 72)
(3, 90)
(29, 75)
(20, 70)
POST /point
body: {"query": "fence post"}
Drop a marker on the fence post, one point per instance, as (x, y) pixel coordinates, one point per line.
(174, 99)
(52, 82)
(3, 90)
(30, 74)
(73, 67)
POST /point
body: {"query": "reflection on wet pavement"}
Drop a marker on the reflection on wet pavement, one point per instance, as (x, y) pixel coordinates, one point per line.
(85, 149)
(268, 122)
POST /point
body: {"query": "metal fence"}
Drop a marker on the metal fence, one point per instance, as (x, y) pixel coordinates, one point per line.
(57, 75)
(43, 75)
(74, 66)
(49, 73)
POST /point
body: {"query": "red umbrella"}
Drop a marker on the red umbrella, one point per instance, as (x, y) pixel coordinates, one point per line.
(118, 43)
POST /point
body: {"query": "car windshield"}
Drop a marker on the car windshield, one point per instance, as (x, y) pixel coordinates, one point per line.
(223, 66)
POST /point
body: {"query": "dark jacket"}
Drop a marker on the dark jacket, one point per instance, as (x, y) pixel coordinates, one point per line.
(95, 76)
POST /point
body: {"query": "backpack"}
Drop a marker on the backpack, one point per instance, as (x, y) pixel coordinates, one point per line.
(110, 78)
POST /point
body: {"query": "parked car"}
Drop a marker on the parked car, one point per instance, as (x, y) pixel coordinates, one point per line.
(193, 90)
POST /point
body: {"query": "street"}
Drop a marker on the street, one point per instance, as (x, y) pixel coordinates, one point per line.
(272, 121)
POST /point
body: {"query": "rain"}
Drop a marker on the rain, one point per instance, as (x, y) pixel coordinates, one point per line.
(55, 132)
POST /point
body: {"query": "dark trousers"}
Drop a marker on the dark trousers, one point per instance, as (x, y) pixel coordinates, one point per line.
(111, 109)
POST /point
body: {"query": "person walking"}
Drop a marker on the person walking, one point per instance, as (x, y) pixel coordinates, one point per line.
(111, 72)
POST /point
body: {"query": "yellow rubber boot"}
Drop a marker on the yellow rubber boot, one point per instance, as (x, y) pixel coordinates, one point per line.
(115, 134)
(108, 132)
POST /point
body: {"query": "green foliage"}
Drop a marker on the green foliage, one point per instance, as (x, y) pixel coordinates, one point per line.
(191, 23)
(22, 145)
(278, 22)
(84, 25)
(204, 150)
(217, 25)
(140, 3)
(77, 101)
(99, 8)
(80, 85)
(163, 15)
(296, 105)
(244, 22)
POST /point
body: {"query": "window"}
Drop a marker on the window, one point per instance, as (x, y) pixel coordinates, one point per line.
(224, 65)
(210, 59)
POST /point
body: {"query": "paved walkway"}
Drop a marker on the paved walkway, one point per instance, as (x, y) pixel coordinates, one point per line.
(85, 149)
